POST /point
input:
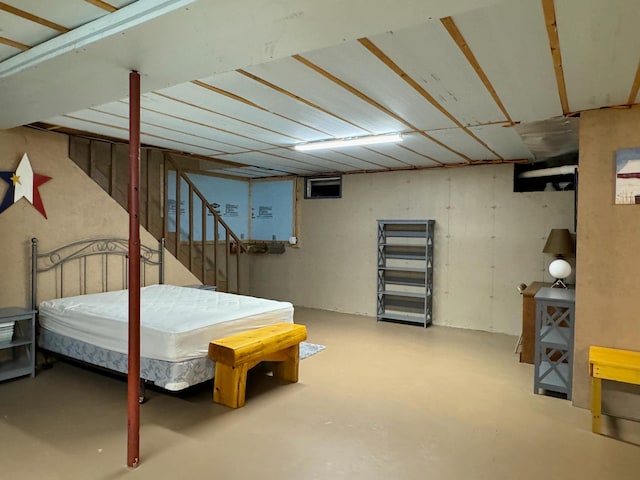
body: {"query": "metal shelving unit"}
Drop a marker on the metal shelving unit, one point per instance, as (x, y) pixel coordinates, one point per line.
(17, 353)
(405, 271)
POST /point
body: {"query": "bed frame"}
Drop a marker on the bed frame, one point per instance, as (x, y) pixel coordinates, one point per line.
(72, 270)
(69, 271)
(78, 253)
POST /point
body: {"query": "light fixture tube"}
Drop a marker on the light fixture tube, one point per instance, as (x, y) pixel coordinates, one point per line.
(349, 142)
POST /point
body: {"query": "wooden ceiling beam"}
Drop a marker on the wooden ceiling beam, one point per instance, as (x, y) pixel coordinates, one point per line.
(102, 124)
(14, 44)
(119, 141)
(384, 58)
(103, 5)
(204, 124)
(373, 103)
(351, 155)
(391, 157)
(246, 101)
(431, 167)
(226, 93)
(549, 9)
(302, 162)
(457, 37)
(421, 154)
(229, 116)
(299, 99)
(33, 18)
(164, 127)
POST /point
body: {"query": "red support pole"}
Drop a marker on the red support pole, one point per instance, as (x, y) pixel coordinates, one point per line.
(133, 390)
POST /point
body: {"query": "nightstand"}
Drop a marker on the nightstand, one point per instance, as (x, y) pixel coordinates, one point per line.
(555, 319)
(17, 350)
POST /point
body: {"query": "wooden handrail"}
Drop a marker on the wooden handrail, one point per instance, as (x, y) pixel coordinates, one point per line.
(154, 209)
(217, 222)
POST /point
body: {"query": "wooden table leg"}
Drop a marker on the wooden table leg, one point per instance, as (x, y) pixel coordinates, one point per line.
(596, 404)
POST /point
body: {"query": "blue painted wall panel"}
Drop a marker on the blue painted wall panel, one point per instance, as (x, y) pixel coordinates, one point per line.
(272, 210)
(270, 216)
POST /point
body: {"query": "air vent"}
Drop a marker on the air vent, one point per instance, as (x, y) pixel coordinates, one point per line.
(323, 187)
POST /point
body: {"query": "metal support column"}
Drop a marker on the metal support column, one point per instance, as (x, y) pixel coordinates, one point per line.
(133, 386)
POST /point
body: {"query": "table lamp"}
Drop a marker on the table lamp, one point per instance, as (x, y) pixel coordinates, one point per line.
(560, 244)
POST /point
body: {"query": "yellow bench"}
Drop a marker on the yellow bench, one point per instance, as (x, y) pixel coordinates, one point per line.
(610, 364)
(235, 355)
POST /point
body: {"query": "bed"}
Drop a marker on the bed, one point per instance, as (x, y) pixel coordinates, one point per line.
(86, 315)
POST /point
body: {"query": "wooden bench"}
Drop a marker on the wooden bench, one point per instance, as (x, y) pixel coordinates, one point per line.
(610, 364)
(235, 355)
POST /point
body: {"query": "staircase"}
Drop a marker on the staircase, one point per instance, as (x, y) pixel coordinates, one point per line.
(214, 257)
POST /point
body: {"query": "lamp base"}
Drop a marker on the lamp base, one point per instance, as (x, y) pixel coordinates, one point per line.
(559, 284)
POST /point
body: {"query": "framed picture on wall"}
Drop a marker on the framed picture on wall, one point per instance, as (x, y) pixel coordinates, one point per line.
(628, 176)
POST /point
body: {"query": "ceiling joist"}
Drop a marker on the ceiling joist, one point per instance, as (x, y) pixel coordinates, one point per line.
(163, 127)
(390, 157)
(228, 94)
(297, 139)
(421, 154)
(372, 102)
(369, 45)
(14, 44)
(457, 37)
(383, 167)
(103, 5)
(252, 104)
(126, 130)
(219, 129)
(554, 43)
(304, 163)
(280, 90)
(296, 97)
(33, 18)
(412, 80)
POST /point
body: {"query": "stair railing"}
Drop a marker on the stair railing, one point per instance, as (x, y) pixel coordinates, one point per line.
(233, 246)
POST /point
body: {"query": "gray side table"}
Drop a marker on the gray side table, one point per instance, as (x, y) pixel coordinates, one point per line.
(17, 352)
(555, 320)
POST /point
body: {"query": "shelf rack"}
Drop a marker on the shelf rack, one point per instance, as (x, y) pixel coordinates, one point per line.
(405, 271)
(17, 355)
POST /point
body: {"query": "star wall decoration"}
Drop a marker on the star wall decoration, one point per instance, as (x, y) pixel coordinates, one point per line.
(23, 183)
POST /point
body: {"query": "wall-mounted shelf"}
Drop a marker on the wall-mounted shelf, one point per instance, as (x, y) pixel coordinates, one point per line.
(405, 271)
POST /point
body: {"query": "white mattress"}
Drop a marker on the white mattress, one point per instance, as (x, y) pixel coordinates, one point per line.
(176, 323)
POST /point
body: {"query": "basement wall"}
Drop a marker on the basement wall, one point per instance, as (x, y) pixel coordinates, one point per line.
(608, 256)
(488, 240)
(77, 208)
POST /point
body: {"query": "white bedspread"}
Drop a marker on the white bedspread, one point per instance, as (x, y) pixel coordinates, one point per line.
(177, 323)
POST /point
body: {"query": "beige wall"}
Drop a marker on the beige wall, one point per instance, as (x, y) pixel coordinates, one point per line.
(488, 240)
(76, 207)
(608, 254)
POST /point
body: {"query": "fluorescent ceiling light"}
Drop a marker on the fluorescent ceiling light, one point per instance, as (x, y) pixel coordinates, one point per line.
(349, 142)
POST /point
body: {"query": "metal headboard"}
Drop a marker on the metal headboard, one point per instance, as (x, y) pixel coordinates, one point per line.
(80, 251)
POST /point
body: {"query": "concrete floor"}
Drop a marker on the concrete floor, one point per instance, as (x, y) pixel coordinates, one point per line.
(383, 401)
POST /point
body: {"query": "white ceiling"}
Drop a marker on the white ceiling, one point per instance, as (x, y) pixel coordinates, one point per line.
(246, 80)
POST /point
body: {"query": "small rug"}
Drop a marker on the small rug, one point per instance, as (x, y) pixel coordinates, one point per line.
(307, 349)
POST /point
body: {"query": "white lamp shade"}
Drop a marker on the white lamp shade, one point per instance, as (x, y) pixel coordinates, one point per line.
(560, 269)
